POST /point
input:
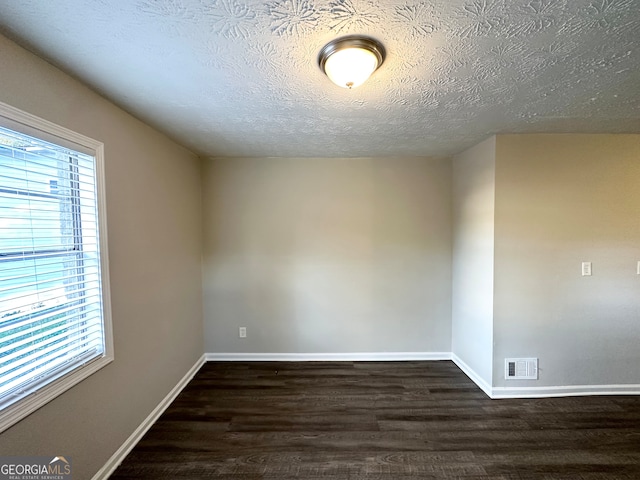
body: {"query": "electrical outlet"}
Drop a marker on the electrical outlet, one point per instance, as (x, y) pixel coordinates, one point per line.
(638, 268)
(242, 332)
(586, 269)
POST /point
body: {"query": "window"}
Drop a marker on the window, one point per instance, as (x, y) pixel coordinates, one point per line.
(54, 303)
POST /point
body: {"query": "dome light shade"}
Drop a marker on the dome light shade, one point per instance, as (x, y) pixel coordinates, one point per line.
(350, 61)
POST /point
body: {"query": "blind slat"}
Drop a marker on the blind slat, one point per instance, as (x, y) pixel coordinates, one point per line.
(43, 349)
(46, 374)
(63, 272)
(10, 327)
(29, 326)
(42, 293)
(61, 352)
(54, 330)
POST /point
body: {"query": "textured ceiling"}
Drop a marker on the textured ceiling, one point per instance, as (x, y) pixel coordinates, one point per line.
(240, 78)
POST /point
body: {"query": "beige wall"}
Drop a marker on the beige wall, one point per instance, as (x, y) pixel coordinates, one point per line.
(474, 177)
(154, 229)
(327, 255)
(562, 200)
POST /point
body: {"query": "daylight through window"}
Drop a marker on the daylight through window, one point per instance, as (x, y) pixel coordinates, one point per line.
(52, 314)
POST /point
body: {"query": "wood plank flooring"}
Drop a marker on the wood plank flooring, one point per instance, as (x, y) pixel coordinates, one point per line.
(379, 421)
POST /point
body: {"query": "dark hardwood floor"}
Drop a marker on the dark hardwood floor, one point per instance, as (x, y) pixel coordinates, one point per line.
(379, 421)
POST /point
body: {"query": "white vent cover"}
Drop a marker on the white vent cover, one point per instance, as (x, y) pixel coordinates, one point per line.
(521, 368)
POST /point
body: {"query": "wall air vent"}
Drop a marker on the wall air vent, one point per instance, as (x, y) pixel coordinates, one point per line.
(521, 368)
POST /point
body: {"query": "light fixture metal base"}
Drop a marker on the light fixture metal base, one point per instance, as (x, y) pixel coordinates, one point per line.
(352, 41)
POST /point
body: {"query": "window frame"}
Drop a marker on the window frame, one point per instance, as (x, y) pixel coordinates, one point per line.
(28, 124)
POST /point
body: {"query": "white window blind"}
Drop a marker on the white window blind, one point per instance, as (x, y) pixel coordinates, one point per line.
(52, 318)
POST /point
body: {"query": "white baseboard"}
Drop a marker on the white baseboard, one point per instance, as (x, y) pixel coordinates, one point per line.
(543, 392)
(564, 391)
(471, 373)
(326, 357)
(117, 458)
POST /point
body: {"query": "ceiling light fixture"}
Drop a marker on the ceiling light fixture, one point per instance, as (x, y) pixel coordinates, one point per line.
(350, 61)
